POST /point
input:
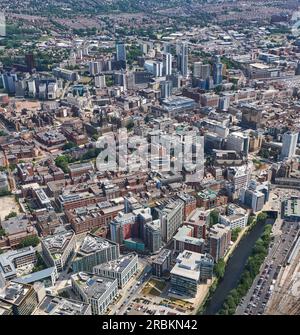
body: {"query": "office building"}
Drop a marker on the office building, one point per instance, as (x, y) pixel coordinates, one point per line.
(239, 142)
(199, 220)
(201, 71)
(184, 58)
(165, 89)
(121, 54)
(47, 277)
(55, 305)
(289, 144)
(161, 265)
(11, 260)
(22, 297)
(58, 249)
(167, 64)
(217, 71)
(100, 81)
(291, 209)
(123, 269)
(191, 269)
(97, 291)
(94, 251)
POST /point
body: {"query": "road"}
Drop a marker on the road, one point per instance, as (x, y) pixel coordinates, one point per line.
(255, 301)
(132, 289)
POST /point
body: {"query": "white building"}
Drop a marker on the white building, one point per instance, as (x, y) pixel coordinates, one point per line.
(236, 217)
(289, 144)
(123, 269)
(100, 292)
(58, 248)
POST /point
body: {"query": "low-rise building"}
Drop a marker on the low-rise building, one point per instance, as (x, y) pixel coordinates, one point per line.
(11, 260)
(236, 217)
(47, 277)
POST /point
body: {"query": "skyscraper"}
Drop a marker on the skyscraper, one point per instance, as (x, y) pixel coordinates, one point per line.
(166, 89)
(289, 144)
(121, 54)
(184, 59)
(201, 71)
(167, 64)
(217, 71)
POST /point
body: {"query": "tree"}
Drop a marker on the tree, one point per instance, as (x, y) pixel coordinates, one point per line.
(251, 220)
(2, 232)
(261, 217)
(219, 268)
(63, 162)
(11, 215)
(235, 234)
(40, 264)
(28, 241)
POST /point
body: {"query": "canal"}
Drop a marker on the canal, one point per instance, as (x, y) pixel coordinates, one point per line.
(234, 268)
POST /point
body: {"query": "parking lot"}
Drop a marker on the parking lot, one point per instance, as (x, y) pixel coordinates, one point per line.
(258, 296)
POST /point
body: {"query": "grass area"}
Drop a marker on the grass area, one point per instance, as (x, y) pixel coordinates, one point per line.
(154, 287)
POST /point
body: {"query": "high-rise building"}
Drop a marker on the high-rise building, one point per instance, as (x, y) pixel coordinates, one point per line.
(100, 81)
(219, 241)
(121, 54)
(152, 236)
(184, 58)
(167, 64)
(297, 71)
(95, 67)
(201, 71)
(9, 80)
(289, 144)
(217, 71)
(239, 142)
(165, 89)
(162, 263)
(29, 60)
(171, 218)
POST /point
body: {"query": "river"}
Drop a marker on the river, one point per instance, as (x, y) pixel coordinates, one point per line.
(234, 268)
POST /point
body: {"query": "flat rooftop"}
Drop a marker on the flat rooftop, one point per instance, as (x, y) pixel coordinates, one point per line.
(92, 244)
(58, 243)
(188, 264)
(60, 306)
(93, 286)
(118, 265)
(14, 293)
